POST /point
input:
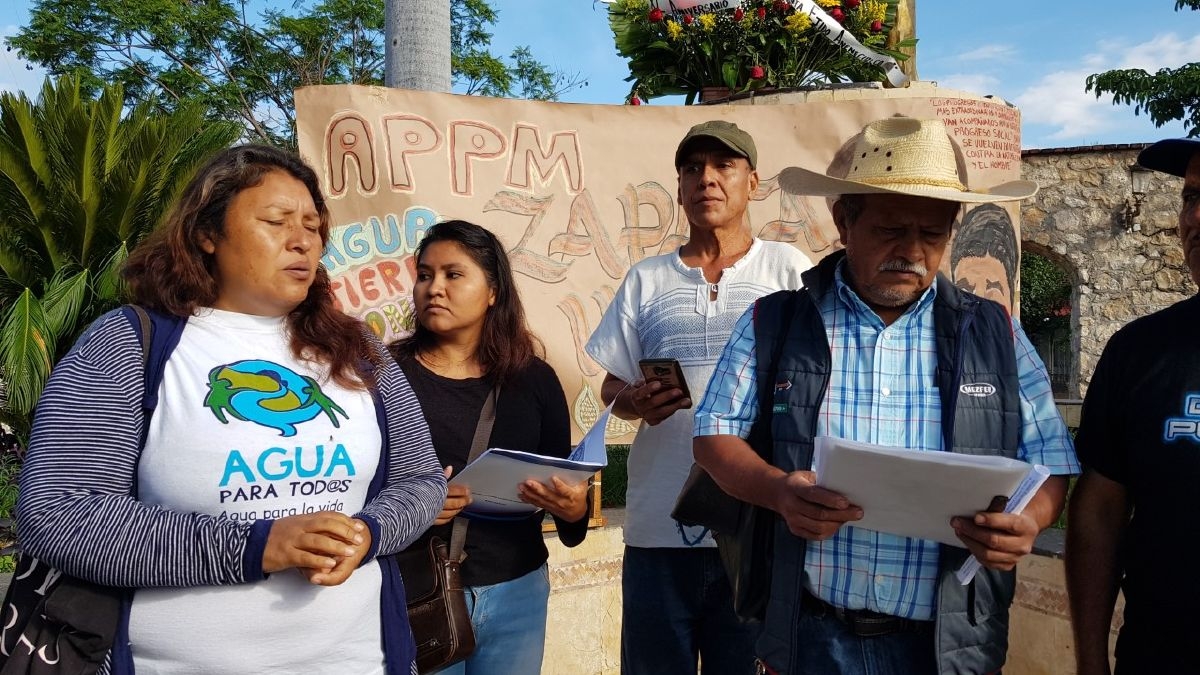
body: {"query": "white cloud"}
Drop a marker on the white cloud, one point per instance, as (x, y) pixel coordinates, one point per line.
(1058, 99)
(988, 53)
(978, 83)
(1161, 51)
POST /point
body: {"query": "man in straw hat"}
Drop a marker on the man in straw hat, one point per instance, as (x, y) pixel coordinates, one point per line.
(1139, 442)
(681, 305)
(881, 348)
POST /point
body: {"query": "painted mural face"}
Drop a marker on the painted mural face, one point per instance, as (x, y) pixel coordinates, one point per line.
(1189, 217)
(715, 185)
(894, 249)
(452, 294)
(984, 276)
(984, 255)
(266, 258)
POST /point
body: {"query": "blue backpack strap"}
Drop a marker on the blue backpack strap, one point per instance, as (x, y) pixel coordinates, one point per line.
(159, 334)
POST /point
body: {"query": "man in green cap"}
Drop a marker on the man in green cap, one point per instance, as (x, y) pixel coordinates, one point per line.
(681, 305)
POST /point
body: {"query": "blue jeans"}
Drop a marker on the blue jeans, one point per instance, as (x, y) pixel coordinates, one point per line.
(509, 619)
(825, 646)
(677, 605)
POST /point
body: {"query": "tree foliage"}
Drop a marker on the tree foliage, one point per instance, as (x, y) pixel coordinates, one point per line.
(82, 180)
(1167, 95)
(1045, 296)
(245, 67)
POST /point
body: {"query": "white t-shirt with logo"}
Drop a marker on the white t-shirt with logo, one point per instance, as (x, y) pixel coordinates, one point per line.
(244, 430)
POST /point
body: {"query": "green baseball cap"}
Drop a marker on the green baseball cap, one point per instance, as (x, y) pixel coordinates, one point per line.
(727, 133)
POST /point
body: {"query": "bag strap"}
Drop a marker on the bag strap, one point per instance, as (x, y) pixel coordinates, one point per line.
(147, 332)
(146, 326)
(159, 334)
(483, 433)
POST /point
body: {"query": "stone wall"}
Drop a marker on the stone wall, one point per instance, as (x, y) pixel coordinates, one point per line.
(1076, 220)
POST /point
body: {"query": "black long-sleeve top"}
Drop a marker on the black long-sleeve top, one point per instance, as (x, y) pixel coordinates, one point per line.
(531, 415)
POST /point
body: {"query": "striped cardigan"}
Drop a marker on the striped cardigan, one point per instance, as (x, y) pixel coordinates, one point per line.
(75, 509)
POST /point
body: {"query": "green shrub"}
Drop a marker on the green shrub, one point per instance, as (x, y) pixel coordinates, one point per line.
(615, 477)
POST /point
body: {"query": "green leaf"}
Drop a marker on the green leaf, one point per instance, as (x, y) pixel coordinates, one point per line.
(729, 74)
(64, 300)
(25, 352)
(108, 286)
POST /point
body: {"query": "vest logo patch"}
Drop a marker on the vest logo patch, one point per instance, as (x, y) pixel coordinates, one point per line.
(978, 389)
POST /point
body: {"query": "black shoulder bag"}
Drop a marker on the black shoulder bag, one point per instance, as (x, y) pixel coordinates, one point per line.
(745, 533)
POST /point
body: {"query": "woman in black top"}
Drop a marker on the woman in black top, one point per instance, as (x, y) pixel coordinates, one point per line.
(471, 336)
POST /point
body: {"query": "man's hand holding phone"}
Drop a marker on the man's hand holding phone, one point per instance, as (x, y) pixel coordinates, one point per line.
(663, 391)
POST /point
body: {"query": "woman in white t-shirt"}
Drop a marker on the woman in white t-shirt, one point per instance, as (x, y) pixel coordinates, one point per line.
(253, 515)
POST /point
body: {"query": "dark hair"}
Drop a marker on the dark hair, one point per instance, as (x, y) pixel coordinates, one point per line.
(987, 230)
(852, 208)
(169, 272)
(506, 345)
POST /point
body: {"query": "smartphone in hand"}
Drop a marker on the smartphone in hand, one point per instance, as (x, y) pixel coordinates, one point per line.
(666, 371)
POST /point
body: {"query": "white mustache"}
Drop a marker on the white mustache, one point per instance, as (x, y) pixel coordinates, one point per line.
(898, 265)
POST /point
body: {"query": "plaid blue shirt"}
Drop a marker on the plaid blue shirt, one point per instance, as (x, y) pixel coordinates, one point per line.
(881, 390)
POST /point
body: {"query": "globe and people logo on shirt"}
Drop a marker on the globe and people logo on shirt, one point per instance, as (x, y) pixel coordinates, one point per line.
(267, 394)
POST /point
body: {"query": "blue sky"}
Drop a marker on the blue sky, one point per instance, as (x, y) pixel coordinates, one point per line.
(1035, 54)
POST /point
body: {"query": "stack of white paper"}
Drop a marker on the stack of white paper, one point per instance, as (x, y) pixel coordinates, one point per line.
(913, 493)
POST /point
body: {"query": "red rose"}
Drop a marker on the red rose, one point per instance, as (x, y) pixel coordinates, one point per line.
(837, 14)
(633, 100)
(687, 19)
(738, 14)
(655, 15)
(781, 6)
(853, 3)
(757, 73)
(876, 26)
(762, 13)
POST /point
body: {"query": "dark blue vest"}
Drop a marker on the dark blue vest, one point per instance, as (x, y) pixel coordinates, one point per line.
(974, 347)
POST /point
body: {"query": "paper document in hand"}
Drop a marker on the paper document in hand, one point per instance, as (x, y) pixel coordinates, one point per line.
(494, 477)
(914, 493)
(1016, 504)
(591, 447)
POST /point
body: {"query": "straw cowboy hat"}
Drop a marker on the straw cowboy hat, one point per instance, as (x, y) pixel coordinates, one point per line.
(907, 156)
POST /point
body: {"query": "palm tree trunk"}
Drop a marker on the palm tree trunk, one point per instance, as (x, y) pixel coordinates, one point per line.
(417, 44)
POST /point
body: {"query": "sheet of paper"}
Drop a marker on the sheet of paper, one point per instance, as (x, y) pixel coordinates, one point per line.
(913, 493)
(591, 447)
(493, 479)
